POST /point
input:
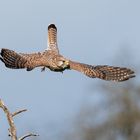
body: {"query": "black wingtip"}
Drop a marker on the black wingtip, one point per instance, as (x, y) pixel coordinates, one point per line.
(52, 26)
(132, 76)
(1, 59)
(2, 52)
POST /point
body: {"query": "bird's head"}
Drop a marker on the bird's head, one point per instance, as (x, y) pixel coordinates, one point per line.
(63, 63)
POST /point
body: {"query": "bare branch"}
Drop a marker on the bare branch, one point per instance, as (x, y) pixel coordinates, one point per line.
(12, 129)
(28, 135)
(18, 112)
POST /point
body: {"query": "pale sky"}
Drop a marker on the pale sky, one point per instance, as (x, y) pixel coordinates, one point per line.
(89, 31)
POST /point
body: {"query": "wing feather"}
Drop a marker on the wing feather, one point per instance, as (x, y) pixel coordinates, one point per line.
(104, 72)
(18, 60)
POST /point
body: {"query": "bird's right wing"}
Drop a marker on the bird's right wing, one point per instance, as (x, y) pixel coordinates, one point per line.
(14, 60)
(52, 38)
(104, 72)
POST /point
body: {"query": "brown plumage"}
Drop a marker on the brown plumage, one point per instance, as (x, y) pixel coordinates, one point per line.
(103, 72)
(51, 59)
(19, 61)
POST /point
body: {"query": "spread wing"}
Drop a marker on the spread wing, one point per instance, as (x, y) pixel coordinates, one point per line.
(52, 38)
(14, 60)
(103, 72)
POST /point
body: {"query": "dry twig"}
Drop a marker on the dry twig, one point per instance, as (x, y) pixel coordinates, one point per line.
(12, 129)
(18, 112)
(27, 135)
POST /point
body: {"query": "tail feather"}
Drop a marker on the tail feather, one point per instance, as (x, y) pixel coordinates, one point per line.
(52, 38)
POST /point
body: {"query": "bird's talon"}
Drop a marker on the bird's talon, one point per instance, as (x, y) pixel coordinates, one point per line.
(42, 69)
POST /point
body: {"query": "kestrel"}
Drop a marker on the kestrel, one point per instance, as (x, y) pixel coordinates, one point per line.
(52, 59)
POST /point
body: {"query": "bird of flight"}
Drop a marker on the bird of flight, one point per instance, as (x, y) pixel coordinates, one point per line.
(53, 60)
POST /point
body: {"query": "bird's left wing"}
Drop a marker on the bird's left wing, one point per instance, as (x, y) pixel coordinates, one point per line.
(103, 72)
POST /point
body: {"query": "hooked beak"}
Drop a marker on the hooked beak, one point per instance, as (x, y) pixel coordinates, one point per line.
(66, 62)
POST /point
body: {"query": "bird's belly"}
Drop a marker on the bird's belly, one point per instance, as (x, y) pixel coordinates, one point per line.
(57, 69)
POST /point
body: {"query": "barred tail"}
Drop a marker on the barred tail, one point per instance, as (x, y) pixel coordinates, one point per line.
(52, 38)
(52, 34)
(12, 59)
